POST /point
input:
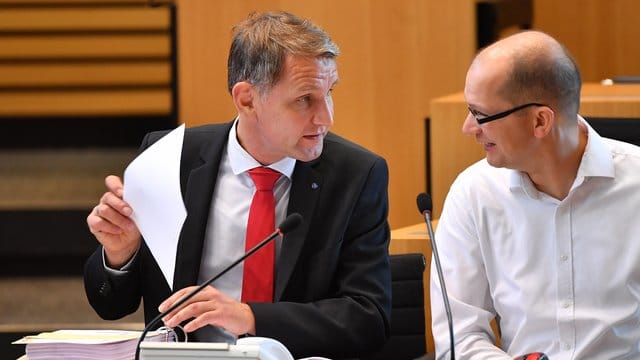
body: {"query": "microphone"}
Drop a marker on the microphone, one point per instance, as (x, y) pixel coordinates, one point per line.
(291, 222)
(425, 206)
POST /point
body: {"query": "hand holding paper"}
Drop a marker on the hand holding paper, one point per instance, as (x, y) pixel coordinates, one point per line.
(110, 223)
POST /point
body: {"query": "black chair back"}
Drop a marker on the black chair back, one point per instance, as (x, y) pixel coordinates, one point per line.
(407, 339)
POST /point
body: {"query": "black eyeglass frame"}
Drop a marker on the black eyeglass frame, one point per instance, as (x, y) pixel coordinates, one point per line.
(500, 115)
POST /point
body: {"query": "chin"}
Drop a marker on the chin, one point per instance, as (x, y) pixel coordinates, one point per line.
(495, 163)
(309, 155)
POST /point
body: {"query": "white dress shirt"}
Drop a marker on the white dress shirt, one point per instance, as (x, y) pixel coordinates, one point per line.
(563, 275)
(228, 216)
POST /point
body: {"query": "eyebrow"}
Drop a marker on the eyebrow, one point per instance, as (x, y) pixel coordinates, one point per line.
(314, 87)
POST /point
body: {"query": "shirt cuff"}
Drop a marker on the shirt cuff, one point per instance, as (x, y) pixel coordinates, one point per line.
(123, 270)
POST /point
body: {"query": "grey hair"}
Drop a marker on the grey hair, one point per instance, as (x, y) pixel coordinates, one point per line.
(262, 42)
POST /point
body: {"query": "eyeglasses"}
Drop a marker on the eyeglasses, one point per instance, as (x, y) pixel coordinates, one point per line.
(481, 119)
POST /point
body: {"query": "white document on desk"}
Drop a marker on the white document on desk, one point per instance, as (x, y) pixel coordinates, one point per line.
(152, 189)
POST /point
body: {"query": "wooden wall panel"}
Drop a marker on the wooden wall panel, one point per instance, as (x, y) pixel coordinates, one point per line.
(89, 19)
(149, 73)
(77, 104)
(396, 56)
(82, 58)
(73, 46)
(602, 35)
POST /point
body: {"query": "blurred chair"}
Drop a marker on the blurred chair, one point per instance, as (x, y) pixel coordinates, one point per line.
(407, 341)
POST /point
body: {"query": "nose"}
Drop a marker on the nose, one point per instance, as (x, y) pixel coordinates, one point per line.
(470, 125)
(324, 113)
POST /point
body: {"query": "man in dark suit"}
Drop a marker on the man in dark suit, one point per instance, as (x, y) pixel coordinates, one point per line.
(331, 292)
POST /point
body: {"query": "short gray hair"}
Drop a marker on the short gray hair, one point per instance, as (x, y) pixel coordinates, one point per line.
(262, 41)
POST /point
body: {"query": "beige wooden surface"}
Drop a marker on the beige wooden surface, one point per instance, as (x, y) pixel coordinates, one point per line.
(603, 37)
(452, 152)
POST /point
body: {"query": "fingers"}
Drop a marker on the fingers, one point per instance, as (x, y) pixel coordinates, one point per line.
(98, 225)
(186, 310)
(209, 307)
(114, 184)
(112, 214)
(115, 210)
(111, 224)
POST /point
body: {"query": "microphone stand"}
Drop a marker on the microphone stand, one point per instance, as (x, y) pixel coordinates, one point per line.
(445, 298)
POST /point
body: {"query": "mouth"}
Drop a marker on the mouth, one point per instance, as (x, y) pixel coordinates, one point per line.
(314, 137)
(488, 146)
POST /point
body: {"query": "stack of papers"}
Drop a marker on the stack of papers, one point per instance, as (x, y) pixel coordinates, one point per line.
(87, 344)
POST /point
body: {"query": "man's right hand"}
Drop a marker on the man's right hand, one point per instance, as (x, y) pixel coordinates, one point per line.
(110, 223)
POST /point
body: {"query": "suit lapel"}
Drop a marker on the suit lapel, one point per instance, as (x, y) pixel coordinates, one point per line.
(306, 185)
(200, 183)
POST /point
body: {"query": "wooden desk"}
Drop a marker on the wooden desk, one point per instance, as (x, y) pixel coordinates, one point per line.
(452, 152)
(414, 239)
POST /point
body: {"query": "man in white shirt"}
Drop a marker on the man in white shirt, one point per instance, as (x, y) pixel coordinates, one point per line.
(541, 235)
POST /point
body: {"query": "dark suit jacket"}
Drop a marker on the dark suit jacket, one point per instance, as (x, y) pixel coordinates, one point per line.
(333, 287)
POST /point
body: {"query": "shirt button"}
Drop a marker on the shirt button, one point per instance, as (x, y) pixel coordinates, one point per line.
(566, 346)
(564, 258)
(566, 304)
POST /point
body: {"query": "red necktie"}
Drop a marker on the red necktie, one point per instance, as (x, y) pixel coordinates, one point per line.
(257, 281)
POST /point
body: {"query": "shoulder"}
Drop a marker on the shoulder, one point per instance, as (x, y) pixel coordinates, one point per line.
(621, 148)
(479, 171)
(481, 179)
(344, 162)
(206, 131)
(340, 151)
(193, 136)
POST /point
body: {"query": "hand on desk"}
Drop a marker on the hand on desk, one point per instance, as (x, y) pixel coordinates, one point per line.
(209, 307)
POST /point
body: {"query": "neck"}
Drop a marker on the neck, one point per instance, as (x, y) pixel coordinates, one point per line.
(558, 168)
(251, 142)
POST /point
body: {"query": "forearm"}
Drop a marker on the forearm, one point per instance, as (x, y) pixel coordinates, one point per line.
(475, 347)
(473, 336)
(111, 296)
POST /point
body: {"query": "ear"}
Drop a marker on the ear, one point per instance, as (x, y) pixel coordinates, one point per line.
(545, 119)
(243, 95)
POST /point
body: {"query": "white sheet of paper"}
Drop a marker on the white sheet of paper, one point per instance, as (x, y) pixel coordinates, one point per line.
(152, 189)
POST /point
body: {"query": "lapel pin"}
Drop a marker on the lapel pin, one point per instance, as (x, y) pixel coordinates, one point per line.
(314, 185)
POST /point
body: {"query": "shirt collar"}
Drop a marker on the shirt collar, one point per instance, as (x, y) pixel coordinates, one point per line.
(241, 161)
(597, 160)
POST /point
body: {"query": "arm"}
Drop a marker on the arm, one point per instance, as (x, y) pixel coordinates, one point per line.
(466, 282)
(114, 294)
(120, 239)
